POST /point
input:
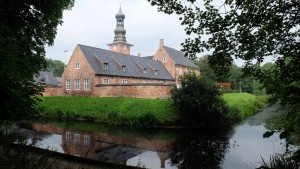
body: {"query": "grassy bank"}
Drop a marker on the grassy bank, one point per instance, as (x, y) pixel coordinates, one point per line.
(114, 111)
(243, 105)
(134, 112)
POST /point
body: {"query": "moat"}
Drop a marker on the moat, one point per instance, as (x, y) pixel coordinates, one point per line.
(242, 148)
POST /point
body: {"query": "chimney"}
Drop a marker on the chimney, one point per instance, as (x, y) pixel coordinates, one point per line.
(161, 42)
(139, 54)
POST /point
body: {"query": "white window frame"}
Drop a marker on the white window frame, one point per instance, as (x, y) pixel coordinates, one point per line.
(68, 137)
(77, 139)
(86, 140)
(68, 84)
(77, 84)
(86, 84)
(77, 65)
(124, 81)
(106, 81)
(105, 66)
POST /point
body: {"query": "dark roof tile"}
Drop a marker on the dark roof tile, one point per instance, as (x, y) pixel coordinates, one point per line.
(134, 64)
(179, 58)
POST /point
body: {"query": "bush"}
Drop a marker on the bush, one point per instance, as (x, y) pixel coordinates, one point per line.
(199, 103)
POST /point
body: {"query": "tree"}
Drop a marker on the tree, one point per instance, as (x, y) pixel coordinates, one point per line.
(25, 28)
(248, 30)
(207, 71)
(199, 103)
(56, 66)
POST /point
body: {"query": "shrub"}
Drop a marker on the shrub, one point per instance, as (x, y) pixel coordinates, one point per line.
(199, 103)
(279, 161)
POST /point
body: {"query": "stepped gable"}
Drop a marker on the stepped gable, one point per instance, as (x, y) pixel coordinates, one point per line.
(134, 64)
(179, 58)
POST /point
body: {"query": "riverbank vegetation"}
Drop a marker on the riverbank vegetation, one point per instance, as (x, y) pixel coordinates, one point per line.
(134, 112)
(199, 103)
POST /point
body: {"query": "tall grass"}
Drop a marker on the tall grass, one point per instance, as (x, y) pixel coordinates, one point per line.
(243, 105)
(133, 112)
(136, 112)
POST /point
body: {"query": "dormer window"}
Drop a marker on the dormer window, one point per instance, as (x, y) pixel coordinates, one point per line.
(105, 66)
(155, 72)
(77, 65)
(164, 59)
(145, 71)
(123, 68)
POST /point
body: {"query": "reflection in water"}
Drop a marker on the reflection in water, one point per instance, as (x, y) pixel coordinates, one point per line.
(200, 150)
(240, 149)
(108, 147)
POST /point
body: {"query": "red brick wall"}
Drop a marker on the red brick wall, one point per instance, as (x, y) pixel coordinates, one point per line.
(174, 70)
(120, 48)
(53, 91)
(169, 63)
(142, 91)
(84, 72)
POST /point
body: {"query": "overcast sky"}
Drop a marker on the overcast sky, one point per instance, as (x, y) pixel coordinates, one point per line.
(92, 23)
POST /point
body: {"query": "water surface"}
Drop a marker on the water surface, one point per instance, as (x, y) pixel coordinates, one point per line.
(241, 148)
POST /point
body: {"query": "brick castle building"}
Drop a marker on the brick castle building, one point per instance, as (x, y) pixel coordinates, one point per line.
(115, 72)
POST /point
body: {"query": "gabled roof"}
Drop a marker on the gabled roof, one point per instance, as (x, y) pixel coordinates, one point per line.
(179, 58)
(148, 57)
(46, 77)
(134, 64)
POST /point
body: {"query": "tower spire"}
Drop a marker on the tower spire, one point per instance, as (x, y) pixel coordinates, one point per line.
(120, 43)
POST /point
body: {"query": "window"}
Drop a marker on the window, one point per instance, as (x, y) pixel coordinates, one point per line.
(124, 81)
(68, 84)
(86, 141)
(106, 81)
(77, 65)
(77, 84)
(68, 137)
(145, 71)
(155, 72)
(105, 66)
(123, 68)
(77, 139)
(86, 84)
(164, 59)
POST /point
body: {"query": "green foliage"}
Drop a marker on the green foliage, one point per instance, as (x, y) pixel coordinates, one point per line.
(243, 105)
(247, 30)
(25, 28)
(280, 161)
(114, 111)
(234, 76)
(207, 71)
(56, 66)
(199, 103)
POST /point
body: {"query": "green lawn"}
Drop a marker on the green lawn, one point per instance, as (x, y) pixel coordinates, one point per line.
(135, 112)
(105, 108)
(244, 104)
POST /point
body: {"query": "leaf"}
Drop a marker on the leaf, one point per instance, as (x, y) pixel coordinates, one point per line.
(268, 134)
